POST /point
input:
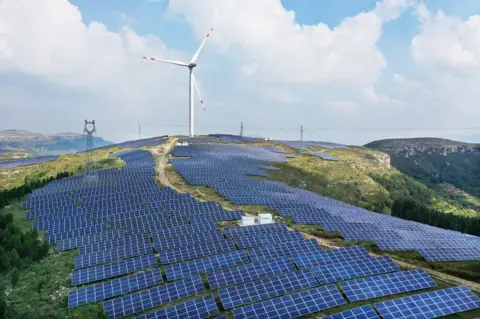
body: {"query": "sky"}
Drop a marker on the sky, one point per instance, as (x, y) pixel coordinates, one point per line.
(347, 71)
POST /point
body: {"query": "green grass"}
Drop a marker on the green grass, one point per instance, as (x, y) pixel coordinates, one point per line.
(363, 178)
(43, 287)
(71, 163)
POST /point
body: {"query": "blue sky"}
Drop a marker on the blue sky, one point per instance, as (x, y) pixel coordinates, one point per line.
(336, 64)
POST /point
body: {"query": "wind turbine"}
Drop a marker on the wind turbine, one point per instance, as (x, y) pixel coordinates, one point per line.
(192, 83)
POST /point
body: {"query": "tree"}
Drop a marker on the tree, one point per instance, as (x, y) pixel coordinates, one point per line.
(15, 277)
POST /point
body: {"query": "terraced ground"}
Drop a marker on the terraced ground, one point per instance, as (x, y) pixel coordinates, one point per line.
(127, 247)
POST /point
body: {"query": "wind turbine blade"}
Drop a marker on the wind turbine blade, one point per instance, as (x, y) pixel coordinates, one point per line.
(198, 92)
(195, 56)
(166, 61)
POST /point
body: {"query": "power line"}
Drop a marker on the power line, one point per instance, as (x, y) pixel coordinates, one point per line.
(263, 128)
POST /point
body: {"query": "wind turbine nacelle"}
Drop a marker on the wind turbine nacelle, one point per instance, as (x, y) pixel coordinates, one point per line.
(192, 65)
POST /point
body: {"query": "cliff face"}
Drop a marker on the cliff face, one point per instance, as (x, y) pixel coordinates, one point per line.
(445, 150)
(411, 147)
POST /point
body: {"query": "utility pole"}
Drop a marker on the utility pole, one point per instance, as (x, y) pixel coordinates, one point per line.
(89, 129)
(301, 138)
(139, 132)
(241, 129)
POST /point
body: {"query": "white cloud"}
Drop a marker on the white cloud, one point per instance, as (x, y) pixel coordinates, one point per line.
(259, 66)
(291, 53)
(448, 41)
(56, 47)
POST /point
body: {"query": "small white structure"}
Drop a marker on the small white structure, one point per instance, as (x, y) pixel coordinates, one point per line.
(247, 221)
(265, 219)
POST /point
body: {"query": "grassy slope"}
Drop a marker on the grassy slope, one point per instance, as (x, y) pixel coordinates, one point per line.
(350, 180)
(72, 162)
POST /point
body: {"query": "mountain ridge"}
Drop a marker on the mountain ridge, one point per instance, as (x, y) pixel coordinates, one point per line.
(46, 144)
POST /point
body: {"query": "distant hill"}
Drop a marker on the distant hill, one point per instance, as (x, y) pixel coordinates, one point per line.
(40, 144)
(448, 166)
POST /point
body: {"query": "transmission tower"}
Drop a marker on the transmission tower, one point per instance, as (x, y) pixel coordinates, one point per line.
(89, 129)
(241, 129)
(301, 138)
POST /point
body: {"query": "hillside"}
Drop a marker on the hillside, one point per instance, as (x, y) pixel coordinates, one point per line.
(449, 167)
(39, 144)
(181, 239)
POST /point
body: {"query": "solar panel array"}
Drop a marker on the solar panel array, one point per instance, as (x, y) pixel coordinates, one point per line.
(146, 142)
(364, 312)
(324, 156)
(3, 151)
(17, 162)
(228, 170)
(388, 284)
(120, 219)
(431, 304)
(299, 145)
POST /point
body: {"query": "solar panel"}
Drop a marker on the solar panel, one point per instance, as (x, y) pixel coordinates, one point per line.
(262, 239)
(101, 257)
(198, 266)
(200, 308)
(431, 304)
(450, 254)
(334, 272)
(308, 260)
(389, 284)
(267, 228)
(192, 252)
(294, 305)
(113, 288)
(154, 297)
(364, 312)
(249, 272)
(86, 275)
(283, 249)
(266, 288)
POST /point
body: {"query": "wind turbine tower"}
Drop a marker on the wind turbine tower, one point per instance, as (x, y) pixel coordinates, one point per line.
(192, 84)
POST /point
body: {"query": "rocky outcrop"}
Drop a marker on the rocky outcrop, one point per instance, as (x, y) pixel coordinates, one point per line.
(381, 159)
(444, 150)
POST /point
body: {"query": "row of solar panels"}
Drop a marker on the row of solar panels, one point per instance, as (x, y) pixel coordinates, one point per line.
(225, 169)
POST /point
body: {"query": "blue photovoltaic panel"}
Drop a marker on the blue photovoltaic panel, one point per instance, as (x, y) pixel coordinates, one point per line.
(154, 297)
(198, 266)
(111, 244)
(249, 272)
(113, 288)
(431, 304)
(192, 252)
(267, 228)
(325, 156)
(365, 312)
(86, 275)
(165, 243)
(284, 249)
(267, 239)
(200, 308)
(294, 305)
(389, 284)
(334, 272)
(101, 257)
(266, 288)
(308, 260)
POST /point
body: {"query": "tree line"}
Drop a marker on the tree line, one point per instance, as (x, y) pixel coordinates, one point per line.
(414, 211)
(19, 249)
(30, 184)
